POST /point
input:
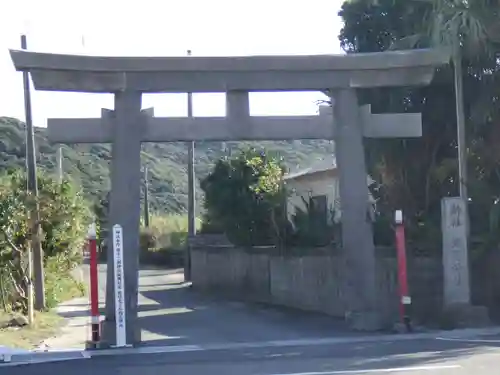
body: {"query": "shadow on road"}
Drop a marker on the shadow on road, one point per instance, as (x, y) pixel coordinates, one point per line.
(177, 315)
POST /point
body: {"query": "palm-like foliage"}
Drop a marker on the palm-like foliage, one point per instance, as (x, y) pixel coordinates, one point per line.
(467, 28)
(373, 27)
(471, 25)
(465, 25)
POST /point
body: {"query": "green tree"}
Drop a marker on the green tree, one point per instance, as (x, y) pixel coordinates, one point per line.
(13, 255)
(64, 216)
(467, 28)
(415, 174)
(244, 196)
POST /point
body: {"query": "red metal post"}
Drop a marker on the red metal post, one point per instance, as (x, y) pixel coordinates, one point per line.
(405, 299)
(94, 285)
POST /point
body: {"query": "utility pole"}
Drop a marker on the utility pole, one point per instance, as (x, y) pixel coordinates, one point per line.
(461, 141)
(191, 192)
(34, 214)
(31, 313)
(59, 164)
(146, 198)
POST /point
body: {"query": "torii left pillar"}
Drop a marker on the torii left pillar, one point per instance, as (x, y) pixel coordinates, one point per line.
(125, 206)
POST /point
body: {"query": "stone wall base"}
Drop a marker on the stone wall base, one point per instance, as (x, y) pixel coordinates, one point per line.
(365, 321)
(462, 315)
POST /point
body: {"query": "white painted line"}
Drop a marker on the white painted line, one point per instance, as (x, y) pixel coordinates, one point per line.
(376, 371)
(486, 341)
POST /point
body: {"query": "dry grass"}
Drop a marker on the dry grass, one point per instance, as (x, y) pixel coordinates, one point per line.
(59, 287)
(46, 324)
(170, 230)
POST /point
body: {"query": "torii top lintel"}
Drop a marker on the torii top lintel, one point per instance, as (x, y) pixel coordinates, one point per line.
(56, 72)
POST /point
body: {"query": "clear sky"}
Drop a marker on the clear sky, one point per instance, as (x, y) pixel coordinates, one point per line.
(163, 28)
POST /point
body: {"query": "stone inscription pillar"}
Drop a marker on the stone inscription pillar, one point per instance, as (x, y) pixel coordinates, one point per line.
(455, 257)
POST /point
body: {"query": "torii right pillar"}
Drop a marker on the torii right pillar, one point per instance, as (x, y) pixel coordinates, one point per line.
(357, 233)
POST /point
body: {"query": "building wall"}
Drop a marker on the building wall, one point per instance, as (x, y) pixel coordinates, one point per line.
(314, 184)
(325, 183)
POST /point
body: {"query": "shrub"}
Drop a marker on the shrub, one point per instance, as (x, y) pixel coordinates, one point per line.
(244, 196)
(309, 227)
(60, 286)
(63, 219)
(147, 239)
(165, 240)
(170, 231)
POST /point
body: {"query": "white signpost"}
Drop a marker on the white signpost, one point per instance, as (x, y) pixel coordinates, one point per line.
(120, 315)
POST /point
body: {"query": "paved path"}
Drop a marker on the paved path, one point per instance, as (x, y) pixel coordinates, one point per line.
(171, 313)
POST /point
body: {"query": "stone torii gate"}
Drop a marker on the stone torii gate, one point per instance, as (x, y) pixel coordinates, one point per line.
(252, 128)
(127, 126)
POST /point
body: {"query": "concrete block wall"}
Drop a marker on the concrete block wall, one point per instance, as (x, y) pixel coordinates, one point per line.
(310, 279)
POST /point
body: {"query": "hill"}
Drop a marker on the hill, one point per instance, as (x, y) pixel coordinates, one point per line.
(88, 165)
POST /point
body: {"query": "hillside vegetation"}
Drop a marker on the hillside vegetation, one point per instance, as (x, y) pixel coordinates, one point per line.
(88, 165)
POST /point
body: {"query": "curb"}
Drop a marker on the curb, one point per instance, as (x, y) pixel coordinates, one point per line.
(436, 335)
(55, 355)
(41, 357)
(469, 332)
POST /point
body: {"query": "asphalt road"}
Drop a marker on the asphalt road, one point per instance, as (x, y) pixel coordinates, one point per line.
(419, 357)
(171, 313)
(187, 333)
